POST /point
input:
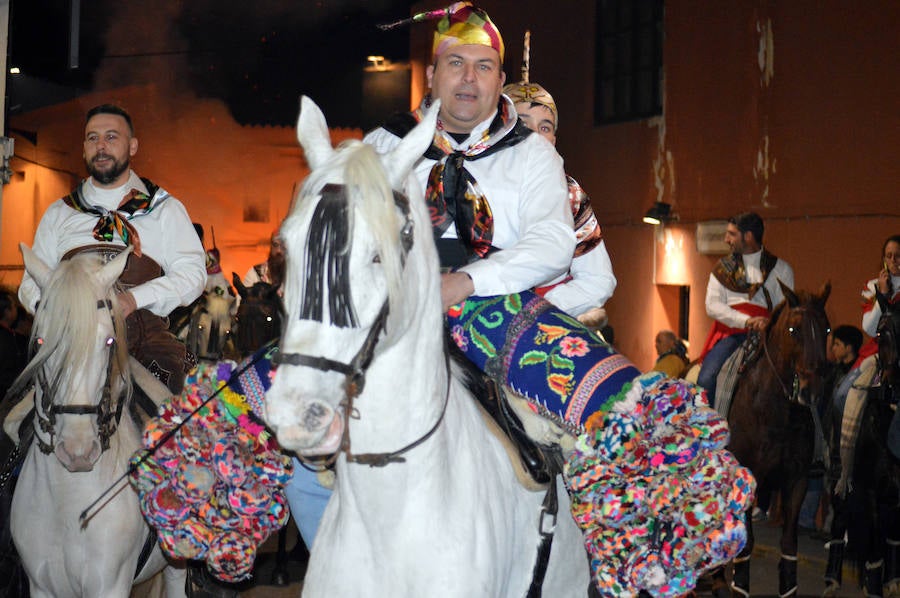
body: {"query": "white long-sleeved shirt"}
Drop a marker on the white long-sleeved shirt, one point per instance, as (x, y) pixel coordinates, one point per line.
(719, 300)
(871, 316)
(525, 186)
(592, 284)
(166, 234)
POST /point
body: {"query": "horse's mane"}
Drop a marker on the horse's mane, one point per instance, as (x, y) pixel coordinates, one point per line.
(65, 325)
(357, 166)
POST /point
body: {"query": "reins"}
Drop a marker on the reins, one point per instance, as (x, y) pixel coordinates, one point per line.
(86, 515)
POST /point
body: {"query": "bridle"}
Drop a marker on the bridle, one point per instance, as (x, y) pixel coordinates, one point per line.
(355, 371)
(795, 395)
(108, 416)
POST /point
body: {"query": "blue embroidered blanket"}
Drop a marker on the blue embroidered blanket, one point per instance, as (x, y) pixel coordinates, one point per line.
(543, 354)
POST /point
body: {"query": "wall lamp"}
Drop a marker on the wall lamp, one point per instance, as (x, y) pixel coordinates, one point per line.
(660, 212)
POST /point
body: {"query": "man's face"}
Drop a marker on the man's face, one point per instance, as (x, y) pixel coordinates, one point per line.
(663, 343)
(108, 147)
(276, 248)
(735, 239)
(841, 351)
(539, 119)
(892, 258)
(467, 79)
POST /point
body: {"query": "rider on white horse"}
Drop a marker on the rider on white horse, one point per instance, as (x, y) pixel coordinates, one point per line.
(528, 238)
(114, 208)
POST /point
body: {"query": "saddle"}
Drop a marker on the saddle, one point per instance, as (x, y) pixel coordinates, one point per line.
(537, 463)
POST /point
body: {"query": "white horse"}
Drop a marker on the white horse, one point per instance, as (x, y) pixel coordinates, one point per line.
(83, 438)
(448, 516)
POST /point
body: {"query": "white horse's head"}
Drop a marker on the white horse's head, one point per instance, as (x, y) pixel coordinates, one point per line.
(350, 252)
(80, 356)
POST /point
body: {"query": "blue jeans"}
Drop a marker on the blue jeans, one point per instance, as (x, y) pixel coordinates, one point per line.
(307, 499)
(714, 361)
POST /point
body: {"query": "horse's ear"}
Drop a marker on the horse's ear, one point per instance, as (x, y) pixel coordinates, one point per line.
(312, 133)
(35, 266)
(789, 295)
(236, 281)
(399, 161)
(110, 272)
(825, 292)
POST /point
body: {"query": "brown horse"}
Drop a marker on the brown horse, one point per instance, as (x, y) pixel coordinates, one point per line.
(771, 420)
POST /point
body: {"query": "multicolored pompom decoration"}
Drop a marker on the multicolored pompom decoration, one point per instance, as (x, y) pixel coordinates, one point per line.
(214, 489)
(659, 499)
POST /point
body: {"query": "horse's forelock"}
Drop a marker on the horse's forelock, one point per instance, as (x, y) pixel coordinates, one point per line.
(357, 166)
(810, 337)
(68, 316)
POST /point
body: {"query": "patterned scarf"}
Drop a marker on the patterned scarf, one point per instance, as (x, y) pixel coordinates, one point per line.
(730, 272)
(452, 193)
(588, 233)
(111, 222)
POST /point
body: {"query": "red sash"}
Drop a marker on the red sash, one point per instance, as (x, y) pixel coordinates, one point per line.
(720, 330)
(542, 291)
(869, 348)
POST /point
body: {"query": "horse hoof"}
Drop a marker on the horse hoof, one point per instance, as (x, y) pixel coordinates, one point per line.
(831, 588)
(892, 589)
(280, 578)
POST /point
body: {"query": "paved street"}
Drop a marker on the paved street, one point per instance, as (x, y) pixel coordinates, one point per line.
(764, 569)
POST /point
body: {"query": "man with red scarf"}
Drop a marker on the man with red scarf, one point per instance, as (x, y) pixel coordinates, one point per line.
(742, 290)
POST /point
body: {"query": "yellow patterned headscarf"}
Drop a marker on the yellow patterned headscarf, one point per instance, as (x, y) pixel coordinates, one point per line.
(464, 24)
(528, 92)
(460, 24)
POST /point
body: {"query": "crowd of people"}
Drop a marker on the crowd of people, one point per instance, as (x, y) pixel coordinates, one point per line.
(506, 218)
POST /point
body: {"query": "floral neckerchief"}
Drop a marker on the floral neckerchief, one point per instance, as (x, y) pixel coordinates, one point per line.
(452, 193)
(111, 222)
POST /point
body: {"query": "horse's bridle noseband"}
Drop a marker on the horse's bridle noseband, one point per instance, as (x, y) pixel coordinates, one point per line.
(107, 418)
(355, 371)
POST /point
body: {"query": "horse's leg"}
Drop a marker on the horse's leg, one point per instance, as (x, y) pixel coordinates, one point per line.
(175, 579)
(280, 575)
(791, 498)
(740, 582)
(891, 517)
(835, 545)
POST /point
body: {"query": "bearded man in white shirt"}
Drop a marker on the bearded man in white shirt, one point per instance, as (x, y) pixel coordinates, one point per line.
(110, 210)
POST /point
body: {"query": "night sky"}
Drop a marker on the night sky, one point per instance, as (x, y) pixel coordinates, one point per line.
(257, 57)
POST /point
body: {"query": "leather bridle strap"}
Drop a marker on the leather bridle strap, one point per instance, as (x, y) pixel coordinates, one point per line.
(355, 371)
(382, 459)
(549, 510)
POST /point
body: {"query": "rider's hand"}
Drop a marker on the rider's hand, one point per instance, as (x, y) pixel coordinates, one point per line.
(455, 287)
(127, 304)
(884, 282)
(757, 323)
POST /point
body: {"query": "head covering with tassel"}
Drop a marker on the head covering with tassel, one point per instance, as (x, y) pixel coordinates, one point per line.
(460, 24)
(531, 93)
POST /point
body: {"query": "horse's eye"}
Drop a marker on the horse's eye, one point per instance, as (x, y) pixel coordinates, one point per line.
(376, 259)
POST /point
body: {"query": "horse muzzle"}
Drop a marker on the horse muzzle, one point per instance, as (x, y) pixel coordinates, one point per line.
(313, 428)
(76, 456)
